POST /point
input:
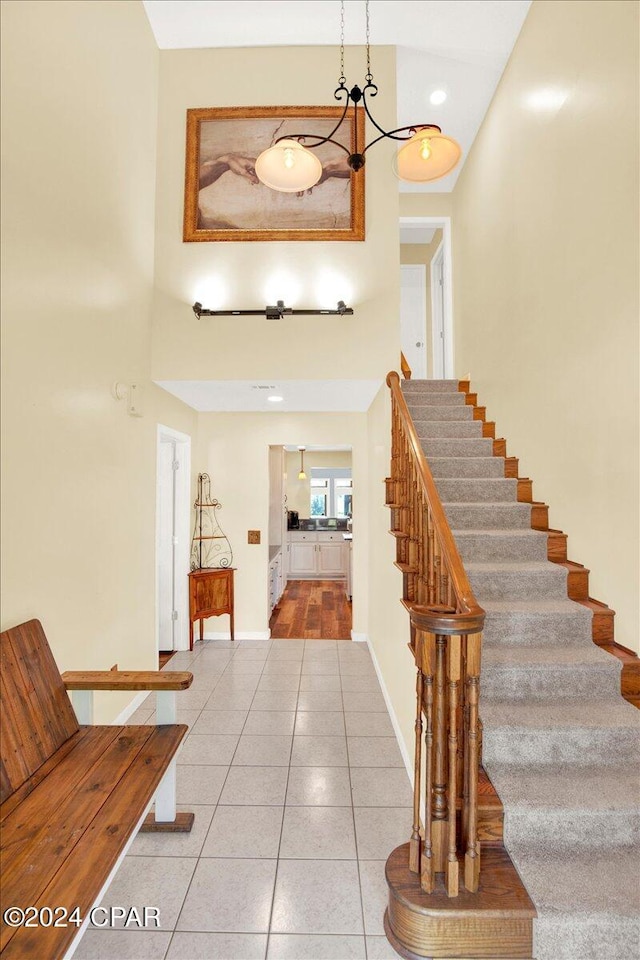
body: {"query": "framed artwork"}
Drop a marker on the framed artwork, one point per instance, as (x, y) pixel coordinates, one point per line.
(224, 200)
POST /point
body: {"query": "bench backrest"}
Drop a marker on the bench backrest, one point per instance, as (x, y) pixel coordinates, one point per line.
(36, 716)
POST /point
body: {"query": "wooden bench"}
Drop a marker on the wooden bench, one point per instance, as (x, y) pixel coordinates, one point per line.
(72, 797)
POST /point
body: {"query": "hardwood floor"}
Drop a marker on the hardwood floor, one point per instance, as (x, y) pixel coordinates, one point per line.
(312, 610)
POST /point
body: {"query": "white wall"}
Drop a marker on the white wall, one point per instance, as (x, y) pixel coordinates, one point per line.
(546, 280)
(79, 84)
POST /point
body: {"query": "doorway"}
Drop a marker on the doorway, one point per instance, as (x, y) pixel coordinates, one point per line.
(310, 577)
(426, 242)
(173, 471)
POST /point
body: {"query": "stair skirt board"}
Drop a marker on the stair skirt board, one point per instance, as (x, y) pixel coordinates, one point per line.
(561, 746)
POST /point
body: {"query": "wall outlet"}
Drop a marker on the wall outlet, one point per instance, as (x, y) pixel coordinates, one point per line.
(253, 536)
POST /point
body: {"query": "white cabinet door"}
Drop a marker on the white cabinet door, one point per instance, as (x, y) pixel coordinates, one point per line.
(330, 559)
(302, 559)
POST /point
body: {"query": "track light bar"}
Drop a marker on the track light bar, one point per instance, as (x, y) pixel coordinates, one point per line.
(276, 312)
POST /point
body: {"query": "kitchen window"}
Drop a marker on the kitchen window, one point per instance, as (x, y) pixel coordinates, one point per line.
(331, 496)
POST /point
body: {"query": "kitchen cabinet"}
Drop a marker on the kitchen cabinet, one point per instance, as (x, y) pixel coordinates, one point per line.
(276, 580)
(319, 556)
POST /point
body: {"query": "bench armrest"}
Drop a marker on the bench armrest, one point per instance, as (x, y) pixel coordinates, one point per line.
(126, 680)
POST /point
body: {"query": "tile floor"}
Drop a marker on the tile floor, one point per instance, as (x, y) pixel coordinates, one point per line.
(299, 792)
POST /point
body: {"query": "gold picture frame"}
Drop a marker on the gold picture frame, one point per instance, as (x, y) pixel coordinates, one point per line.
(222, 145)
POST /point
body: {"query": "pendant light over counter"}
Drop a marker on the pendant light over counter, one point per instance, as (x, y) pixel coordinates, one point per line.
(302, 475)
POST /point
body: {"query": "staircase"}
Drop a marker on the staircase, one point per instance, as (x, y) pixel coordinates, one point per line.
(560, 744)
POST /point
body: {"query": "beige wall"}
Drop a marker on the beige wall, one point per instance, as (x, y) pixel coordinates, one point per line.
(299, 491)
(234, 449)
(79, 150)
(423, 253)
(546, 279)
(388, 624)
(248, 275)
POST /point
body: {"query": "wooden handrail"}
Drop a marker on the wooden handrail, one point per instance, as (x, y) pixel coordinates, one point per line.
(446, 641)
(404, 366)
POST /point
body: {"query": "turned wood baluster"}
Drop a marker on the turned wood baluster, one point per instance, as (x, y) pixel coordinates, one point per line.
(427, 875)
(472, 856)
(414, 842)
(440, 756)
(453, 679)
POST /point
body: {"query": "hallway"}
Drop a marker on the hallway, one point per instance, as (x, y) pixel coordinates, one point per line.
(299, 792)
(313, 610)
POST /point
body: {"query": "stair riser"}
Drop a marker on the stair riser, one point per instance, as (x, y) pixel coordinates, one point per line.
(549, 683)
(477, 490)
(505, 585)
(448, 429)
(460, 412)
(429, 386)
(446, 399)
(450, 447)
(507, 629)
(486, 549)
(572, 745)
(473, 468)
(489, 516)
(554, 831)
(563, 937)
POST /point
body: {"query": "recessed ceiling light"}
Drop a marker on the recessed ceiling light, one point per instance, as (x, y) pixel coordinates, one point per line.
(275, 399)
(437, 97)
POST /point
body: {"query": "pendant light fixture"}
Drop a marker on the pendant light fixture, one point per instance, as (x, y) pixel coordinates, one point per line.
(289, 166)
(302, 475)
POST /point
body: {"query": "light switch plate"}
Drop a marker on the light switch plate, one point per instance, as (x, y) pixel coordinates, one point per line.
(253, 536)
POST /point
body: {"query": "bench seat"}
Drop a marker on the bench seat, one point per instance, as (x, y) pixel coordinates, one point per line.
(63, 838)
(71, 797)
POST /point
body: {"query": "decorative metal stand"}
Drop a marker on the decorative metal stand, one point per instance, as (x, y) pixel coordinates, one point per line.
(210, 548)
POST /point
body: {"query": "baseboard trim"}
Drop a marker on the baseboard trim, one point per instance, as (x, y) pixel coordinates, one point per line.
(240, 635)
(359, 637)
(408, 761)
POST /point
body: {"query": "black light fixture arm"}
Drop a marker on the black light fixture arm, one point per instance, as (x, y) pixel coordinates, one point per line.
(274, 312)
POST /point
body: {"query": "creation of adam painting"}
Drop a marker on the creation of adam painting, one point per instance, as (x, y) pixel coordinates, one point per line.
(224, 200)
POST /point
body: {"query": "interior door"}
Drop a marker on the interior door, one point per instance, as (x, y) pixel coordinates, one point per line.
(413, 317)
(437, 314)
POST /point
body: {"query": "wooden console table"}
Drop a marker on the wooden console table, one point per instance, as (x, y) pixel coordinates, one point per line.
(210, 595)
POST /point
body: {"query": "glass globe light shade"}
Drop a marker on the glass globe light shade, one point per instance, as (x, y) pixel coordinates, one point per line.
(289, 167)
(428, 155)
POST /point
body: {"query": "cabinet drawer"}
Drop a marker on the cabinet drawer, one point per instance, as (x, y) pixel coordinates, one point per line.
(299, 537)
(330, 538)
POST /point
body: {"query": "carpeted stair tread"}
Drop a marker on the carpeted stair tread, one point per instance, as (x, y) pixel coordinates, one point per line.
(603, 789)
(477, 489)
(529, 622)
(595, 714)
(552, 654)
(453, 447)
(421, 412)
(544, 673)
(466, 467)
(475, 516)
(500, 545)
(511, 580)
(445, 399)
(448, 429)
(429, 386)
